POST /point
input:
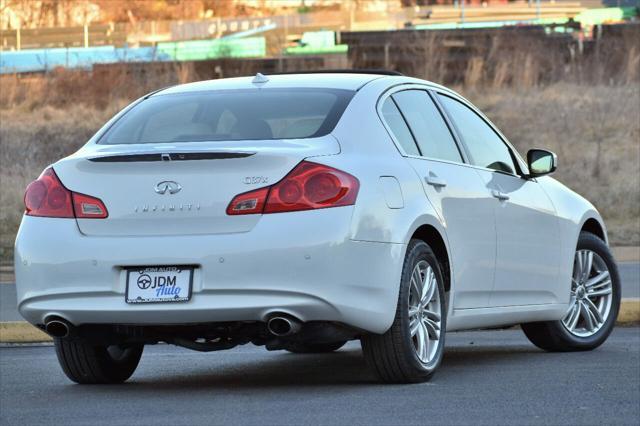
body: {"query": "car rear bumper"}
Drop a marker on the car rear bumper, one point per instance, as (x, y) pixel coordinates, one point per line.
(302, 263)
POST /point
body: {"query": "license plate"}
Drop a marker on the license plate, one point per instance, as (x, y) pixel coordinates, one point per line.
(152, 284)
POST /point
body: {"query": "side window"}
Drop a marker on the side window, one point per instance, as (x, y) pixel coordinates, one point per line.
(398, 126)
(429, 128)
(485, 146)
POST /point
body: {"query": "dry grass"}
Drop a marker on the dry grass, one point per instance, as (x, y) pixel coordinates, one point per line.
(29, 141)
(596, 133)
(594, 129)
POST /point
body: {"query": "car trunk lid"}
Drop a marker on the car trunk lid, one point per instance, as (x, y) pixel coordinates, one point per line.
(180, 189)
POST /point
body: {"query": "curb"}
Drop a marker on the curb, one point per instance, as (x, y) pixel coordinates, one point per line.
(626, 253)
(629, 311)
(23, 332)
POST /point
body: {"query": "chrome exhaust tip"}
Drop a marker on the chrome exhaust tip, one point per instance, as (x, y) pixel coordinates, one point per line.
(57, 328)
(282, 326)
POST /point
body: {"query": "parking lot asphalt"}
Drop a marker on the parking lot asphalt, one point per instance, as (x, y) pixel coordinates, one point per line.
(488, 377)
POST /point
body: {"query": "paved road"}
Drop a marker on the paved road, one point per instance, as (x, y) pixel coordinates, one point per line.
(488, 377)
(629, 271)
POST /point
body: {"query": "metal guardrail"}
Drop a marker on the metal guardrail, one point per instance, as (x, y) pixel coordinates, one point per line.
(42, 60)
(120, 34)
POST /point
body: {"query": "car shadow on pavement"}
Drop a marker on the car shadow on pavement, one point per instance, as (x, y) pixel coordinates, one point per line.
(342, 368)
(345, 367)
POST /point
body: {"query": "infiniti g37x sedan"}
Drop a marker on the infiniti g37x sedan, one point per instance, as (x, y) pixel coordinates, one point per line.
(300, 212)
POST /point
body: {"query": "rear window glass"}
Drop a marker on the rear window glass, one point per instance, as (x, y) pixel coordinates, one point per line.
(255, 114)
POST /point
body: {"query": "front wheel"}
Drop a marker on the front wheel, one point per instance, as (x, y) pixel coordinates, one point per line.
(86, 363)
(593, 306)
(411, 350)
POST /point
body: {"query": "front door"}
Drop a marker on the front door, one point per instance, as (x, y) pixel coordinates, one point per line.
(528, 241)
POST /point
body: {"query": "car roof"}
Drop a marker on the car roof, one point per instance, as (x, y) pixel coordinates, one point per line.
(345, 81)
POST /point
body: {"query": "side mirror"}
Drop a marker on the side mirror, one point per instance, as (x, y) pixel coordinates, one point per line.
(541, 162)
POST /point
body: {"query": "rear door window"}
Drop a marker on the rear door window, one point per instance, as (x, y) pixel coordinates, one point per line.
(398, 126)
(253, 114)
(427, 125)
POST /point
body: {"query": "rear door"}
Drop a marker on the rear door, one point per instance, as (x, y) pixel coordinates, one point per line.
(455, 191)
(529, 247)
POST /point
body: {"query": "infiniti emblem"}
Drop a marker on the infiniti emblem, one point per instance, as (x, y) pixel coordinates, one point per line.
(168, 186)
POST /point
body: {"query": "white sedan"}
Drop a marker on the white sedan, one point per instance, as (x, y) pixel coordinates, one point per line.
(302, 211)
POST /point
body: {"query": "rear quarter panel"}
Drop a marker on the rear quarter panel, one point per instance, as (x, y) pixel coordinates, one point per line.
(368, 153)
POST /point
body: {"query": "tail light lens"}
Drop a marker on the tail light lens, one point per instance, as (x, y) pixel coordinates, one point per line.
(308, 186)
(47, 197)
(87, 207)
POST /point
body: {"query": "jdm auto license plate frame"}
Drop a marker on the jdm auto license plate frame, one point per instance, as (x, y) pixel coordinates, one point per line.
(158, 271)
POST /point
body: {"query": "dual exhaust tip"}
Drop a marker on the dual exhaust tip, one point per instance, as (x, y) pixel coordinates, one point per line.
(283, 325)
(278, 325)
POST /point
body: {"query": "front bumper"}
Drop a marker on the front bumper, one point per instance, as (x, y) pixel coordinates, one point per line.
(300, 263)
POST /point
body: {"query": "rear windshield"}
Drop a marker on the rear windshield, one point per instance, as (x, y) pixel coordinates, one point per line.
(231, 115)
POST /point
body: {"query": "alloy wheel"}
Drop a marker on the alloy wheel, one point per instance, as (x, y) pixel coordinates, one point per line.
(591, 295)
(424, 312)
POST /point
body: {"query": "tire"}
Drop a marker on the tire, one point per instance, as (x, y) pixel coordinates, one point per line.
(86, 363)
(394, 355)
(314, 348)
(559, 336)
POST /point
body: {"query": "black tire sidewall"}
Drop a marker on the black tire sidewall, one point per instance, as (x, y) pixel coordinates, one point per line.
(87, 363)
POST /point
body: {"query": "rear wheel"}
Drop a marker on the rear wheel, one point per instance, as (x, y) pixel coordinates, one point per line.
(593, 306)
(411, 350)
(314, 348)
(86, 363)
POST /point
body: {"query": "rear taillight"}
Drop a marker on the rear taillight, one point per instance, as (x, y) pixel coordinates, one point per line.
(308, 186)
(49, 198)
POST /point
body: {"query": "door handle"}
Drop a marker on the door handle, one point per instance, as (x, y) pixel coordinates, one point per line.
(499, 195)
(435, 181)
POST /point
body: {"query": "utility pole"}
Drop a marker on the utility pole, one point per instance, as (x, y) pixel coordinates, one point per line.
(462, 11)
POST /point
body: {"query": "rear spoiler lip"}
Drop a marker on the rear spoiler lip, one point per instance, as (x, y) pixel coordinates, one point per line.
(168, 156)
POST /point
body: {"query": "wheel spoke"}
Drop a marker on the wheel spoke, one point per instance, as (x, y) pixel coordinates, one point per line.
(600, 292)
(572, 318)
(424, 354)
(426, 288)
(587, 264)
(432, 329)
(588, 319)
(414, 327)
(570, 311)
(577, 267)
(432, 316)
(598, 279)
(420, 336)
(433, 286)
(594, 311)
(416, 282)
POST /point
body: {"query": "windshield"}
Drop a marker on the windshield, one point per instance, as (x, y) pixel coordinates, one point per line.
(263, 114)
